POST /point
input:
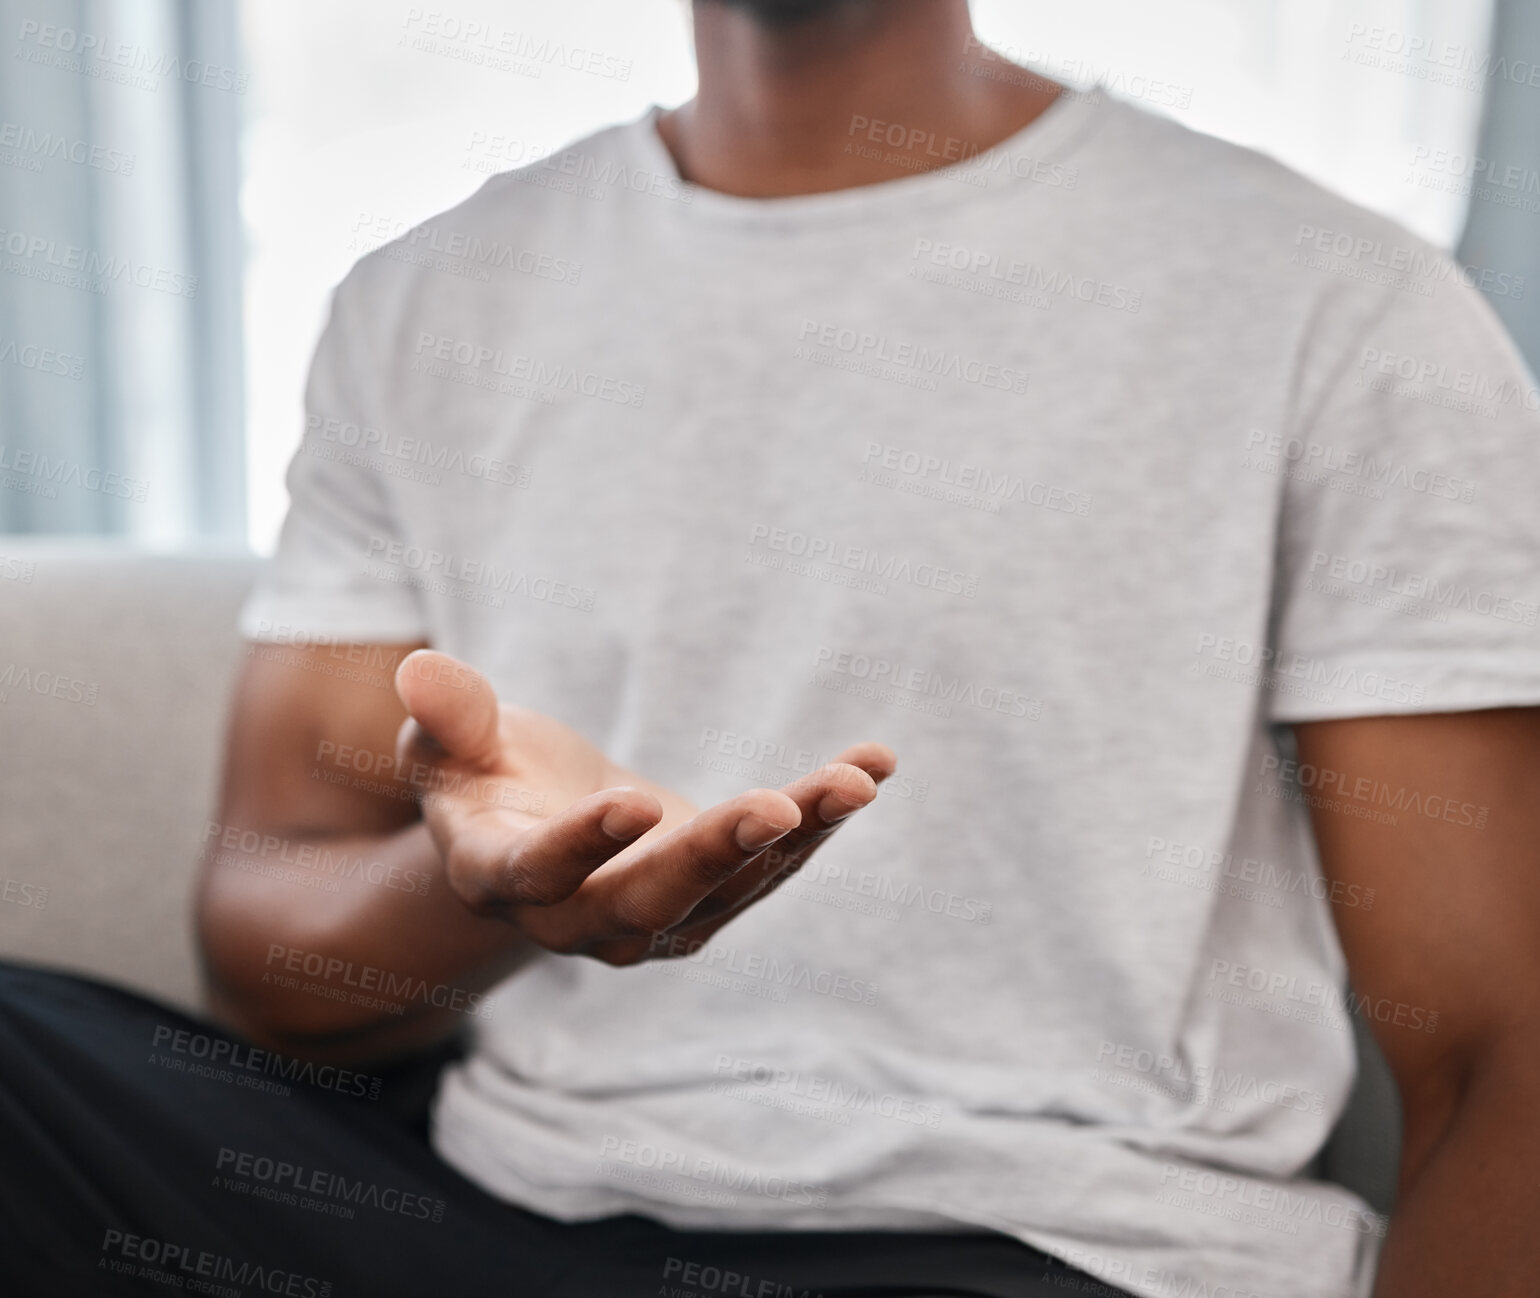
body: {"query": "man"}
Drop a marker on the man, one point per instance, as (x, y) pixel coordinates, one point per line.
(891, 441)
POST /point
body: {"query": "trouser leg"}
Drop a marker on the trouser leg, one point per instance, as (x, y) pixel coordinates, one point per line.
(145, 1152)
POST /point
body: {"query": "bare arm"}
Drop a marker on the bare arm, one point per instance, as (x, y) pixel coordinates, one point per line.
(392, 842)
(310, 853)
(1456, 930)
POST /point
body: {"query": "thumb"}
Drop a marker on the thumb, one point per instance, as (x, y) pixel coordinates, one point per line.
(453, 705)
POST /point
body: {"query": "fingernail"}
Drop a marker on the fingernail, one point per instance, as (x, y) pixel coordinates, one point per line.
(623, 824)
(754, 832)
(834, 809)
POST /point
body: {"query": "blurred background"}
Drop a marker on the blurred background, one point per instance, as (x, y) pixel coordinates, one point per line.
(182, 182)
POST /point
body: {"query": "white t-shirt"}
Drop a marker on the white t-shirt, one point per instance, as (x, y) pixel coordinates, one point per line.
(1068, 471)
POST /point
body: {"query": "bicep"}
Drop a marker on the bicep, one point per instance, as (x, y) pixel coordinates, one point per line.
(310, 746)
(1446, 833)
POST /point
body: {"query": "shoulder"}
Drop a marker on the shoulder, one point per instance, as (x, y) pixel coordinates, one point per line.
(529, 222)
(1253, 242)
(1206, 183)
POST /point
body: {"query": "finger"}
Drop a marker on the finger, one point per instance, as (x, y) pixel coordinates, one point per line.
(826, 798)
(877, 760)
(497, 868)
(452, 708)
(828, 788)
(661, 882)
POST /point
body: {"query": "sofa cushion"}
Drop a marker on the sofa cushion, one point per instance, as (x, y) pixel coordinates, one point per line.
(115, 668)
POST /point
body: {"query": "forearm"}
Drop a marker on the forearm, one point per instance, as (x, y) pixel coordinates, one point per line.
(362, 952)
(1465, 1219)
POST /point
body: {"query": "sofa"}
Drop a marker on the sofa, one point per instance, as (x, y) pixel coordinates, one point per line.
(115, 669)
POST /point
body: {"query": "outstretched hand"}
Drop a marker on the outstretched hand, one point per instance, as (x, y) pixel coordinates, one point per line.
(538, 827)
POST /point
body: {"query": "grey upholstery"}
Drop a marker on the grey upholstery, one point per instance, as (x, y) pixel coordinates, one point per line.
(105, 804)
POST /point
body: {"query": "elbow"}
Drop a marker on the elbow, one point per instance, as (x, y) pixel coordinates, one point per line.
(1484, 1080)
(243, 948)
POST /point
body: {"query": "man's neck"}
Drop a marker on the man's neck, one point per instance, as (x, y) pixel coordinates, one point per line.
(813, 106)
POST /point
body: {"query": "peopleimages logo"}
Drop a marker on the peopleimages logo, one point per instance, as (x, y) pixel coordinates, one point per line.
(47, 255)
(45, 145)
(1473, 167)
(1420, 586)
(251, 1067)
(1282, 880)
(702, 1279)
(765, 761)
(868, 348)
(1129, 1275)
(432, 244)
(822, 554)
(612, 176)
(1403, 265)
(1371, 792)
(505, 49)
(29, 896)
(778, 1087)
(1277, 989)
(911, 139)
(670, 1165)
(46, 684)
(415, 451)
(50, 474)
(1181, 1079)
(281, 1181)
(879, 671)
(395, 989)
(185, 1267)
(109, 59)
(771, 969)
(518, 367)
(43, 360)
(1273, 669)
(1453, 380)
(982, 263)
(1096, 79)
(425, 566)
(233, 845)
(941, 478)
(866, 892)
(1298, 1205)
(13, 569)
(1374, 471)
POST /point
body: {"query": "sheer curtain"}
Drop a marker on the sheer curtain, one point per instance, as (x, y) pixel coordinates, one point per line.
(120, 259)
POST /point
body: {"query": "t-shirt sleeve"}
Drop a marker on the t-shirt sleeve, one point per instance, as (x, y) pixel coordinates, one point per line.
(323, 583)
(1408, 575)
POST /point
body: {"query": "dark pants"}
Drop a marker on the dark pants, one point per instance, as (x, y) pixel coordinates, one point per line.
(145, 1152)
